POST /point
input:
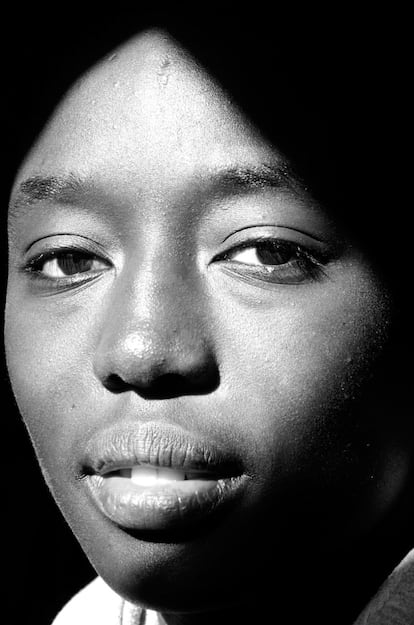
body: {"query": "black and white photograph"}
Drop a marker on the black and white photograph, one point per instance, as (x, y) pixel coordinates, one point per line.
(207, 280)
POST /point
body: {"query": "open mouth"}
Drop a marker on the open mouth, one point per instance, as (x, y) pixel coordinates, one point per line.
(148, 476)
(153, 478)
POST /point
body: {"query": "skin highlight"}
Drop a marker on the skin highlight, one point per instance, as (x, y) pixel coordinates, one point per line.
(142, 170)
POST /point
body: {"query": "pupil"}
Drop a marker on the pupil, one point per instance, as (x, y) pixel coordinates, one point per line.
(271, 254)
(74, 263)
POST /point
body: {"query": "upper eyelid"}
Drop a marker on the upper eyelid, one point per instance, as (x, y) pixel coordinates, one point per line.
(52, 250)
(54, 253)
(276, 226)
(263, 239)
(252, 242)
(67, 241)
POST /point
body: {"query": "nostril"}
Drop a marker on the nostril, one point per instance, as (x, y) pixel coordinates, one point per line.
(167, 385)
(115, 383)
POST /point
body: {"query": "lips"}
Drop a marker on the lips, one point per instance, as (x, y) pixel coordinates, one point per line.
(155, 477)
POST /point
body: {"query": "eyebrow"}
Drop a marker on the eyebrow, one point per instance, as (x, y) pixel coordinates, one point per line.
(70, 189)
(62, 189)
(279, 175)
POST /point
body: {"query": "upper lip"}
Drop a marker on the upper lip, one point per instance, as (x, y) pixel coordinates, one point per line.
(157, 444)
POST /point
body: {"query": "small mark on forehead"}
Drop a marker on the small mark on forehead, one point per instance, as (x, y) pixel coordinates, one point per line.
(164, 70)
(166, 62)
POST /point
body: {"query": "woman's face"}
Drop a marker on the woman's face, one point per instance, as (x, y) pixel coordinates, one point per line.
(188, 337)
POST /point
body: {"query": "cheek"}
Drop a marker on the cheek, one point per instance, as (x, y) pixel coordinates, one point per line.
(300, 371)
(304, 348)
(51, 382)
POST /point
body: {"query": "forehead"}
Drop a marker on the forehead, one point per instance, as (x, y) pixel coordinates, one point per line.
(148, 107)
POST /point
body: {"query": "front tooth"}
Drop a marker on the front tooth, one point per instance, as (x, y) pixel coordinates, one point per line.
(144, 475)
(166, 475)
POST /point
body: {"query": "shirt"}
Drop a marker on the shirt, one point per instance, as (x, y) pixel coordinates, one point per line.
(98, 604)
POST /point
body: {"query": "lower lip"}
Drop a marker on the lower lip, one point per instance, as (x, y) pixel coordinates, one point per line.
(164, 507)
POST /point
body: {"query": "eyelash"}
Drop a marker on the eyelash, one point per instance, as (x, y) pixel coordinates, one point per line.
(301, 265)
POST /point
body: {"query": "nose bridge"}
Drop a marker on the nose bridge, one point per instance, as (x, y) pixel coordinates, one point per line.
(153, 303)
(152, 324)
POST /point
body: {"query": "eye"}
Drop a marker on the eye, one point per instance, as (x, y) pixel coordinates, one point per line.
(264, 253)
(273, 260)
(62, 265)
(65, 267)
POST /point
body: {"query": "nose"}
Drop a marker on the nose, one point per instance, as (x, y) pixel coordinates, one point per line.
(153, 339)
